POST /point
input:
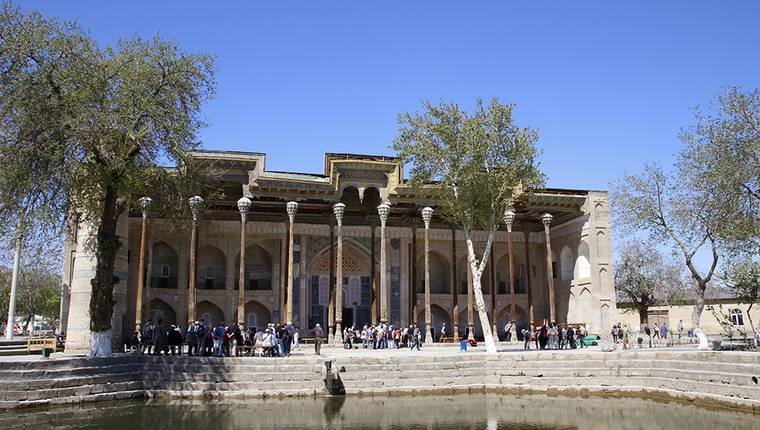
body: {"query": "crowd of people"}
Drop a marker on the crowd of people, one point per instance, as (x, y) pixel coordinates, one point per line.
(220, 340)
(382, 336)
(554, 336)
(656, 334)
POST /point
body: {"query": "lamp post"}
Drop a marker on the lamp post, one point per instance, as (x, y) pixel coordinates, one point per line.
(244, 204)
(509, 219)
(196, 205)
(291, 208)
(338, 210)
(547, 220)
(427, 215)
(383, 210)
(145, 203)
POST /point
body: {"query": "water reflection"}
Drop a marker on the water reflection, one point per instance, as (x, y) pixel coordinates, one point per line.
(472, 411)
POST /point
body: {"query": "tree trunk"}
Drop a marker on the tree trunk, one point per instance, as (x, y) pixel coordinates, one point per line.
(643, 313)
(480, 306)
(101, 300)
(477, 290)
(696, 314)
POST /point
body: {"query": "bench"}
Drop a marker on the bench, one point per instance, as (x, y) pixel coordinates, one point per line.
(310, 340)
(38, 344)
(736, 343)
(447, 339)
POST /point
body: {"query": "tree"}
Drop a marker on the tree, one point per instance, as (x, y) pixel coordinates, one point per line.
(39, 294)
(644, 277)
(720, 161)
(742, 280)
(661, 206)
(473, 165)
(86, 128)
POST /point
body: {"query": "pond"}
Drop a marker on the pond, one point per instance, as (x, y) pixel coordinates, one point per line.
(466, 411)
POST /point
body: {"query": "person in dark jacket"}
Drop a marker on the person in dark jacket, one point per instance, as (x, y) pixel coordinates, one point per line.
(318, 335)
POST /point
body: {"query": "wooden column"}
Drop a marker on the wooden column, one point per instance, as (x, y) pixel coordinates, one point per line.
(243, 205)
(148, 272)
(427, 215)
(547, 220)
(291, 208)
(526, 233)
(145, 205)
(509, 218)
(382, 210)
(196, 204)
(331, 285)
(373, 271)
(413, 293)
(338, 209)
(454, 284)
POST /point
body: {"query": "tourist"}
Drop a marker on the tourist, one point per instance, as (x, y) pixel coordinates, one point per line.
(161, 338)
(563, 337)
(581, 334)
(537, 336)
(526, 338)
(625, 336)
(417, 338)
(679, 327)
(147, 338)
(192, 339)
(664, 332)
(296, 340)
(614, 333)
(318, 334)
(656, 334)
(218, 337)
(174, 340)
(443, 332)
(134, 343)
(508, 331)
(200, 336)
(571, 337)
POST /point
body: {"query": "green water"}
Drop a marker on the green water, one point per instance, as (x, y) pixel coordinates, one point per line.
(471, 411)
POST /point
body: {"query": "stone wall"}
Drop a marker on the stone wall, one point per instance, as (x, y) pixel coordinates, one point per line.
(725, 379)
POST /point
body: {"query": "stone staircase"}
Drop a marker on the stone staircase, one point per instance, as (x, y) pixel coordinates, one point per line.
(13, 347)
(77, 380)
(726, 379)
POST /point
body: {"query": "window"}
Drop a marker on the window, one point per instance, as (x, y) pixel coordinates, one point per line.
(210, 273)
(736, 317)
(165, 271)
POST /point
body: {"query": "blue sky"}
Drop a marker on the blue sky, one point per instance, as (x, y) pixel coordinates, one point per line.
(607, 84)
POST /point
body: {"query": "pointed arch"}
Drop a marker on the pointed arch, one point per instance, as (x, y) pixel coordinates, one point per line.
(209, 312)
(256, 315)
(258, 268)
(566, 265)
(160, 310)
(212, 268)
(164, 266)
(438, 316)
(440, 274)
(582, 264)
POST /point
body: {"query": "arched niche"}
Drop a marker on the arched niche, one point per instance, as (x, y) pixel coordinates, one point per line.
(521, 318)
(438, 316)
(164, 266)
(462, 273)
(212, 268)
(477, 327)
(257, 315)
(582, 264)
(566, 263)
(258, 269)
(209, 312)
(440, 274)
(160, 310)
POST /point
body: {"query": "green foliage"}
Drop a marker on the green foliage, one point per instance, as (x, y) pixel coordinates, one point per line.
(85, 129)
(471, 164)
(720, 162)
(645, 277)
(742, 280)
